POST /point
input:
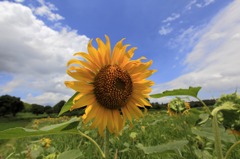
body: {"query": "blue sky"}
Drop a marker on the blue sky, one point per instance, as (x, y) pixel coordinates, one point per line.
(191, 42)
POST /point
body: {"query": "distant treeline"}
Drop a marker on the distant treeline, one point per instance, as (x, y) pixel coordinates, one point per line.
(11, 105)
(193, 104)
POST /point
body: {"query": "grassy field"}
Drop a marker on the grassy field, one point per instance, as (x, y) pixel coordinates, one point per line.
(155, 129)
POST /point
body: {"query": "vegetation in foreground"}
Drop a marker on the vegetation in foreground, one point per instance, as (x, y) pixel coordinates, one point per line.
(156, 129)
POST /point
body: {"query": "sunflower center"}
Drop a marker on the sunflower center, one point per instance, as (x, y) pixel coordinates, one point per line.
(112, 87)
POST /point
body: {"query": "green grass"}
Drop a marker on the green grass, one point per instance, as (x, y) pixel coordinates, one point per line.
(20, 120)
(7, 123)
(156, 128)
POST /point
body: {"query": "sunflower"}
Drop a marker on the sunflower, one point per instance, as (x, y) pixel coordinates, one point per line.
(110, 85)
(178, 106)
(230, 116)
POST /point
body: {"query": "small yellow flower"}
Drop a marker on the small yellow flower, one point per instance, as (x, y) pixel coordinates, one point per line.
(143, 128)
(110, 84)
(46, 142)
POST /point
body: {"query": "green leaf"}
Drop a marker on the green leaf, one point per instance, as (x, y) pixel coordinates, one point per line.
(66, 107)
(191, 91)
(170, 146)
(203, 119)
(207, 132)
(71, 154)
(19, 132)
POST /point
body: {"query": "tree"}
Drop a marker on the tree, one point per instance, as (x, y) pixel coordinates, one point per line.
(57, 108)
(27, 107)
(48, 109)
(10, 105)
(37, 109)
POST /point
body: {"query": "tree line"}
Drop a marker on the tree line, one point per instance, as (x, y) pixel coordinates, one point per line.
(11, 105)
(193, 104)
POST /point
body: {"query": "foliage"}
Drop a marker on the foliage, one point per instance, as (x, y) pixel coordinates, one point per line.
(10, 105)
(48, 109)
(229, 116)
(37, 109)
(66, 107)
(191, 91)
(196, 134)
(27, 107)
(57, 107)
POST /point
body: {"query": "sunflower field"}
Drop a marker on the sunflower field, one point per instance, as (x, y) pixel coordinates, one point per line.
(157, 135)
(118, 122)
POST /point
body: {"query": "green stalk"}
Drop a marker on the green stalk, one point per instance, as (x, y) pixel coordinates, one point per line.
(106, 144)
(94, 142)
(218, 144)
(231, 148)
(204, 105)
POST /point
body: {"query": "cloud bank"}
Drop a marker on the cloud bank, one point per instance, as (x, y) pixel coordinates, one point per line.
(213, 63)
(35, 55)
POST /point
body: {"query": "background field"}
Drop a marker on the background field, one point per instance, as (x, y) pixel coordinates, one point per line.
(156, 128)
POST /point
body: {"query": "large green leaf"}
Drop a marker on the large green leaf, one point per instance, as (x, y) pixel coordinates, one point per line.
(191, 91)
(166, 147)
(19, 132)
(207, 132)
(71, 154)
(66, 107)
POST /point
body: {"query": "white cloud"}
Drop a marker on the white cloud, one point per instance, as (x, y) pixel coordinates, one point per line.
(47, 98)
(165, 30)
(34, 54)
(187, 38)
(10, 86)
(205, 3)
(190, 4)
(214, 61)
(199, 4)
(19, 1)
(173, 17)
(47, 9)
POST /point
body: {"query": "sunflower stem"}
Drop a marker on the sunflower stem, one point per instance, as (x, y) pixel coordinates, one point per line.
(231, 148)
(204, 105)
(94, 142)
(218, 144)
(106, 144)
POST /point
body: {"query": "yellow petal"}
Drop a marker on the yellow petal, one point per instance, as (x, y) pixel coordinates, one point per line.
(80, 74)
(87, 110)
(103, 124)
(82, 63)
(79, 86)
(94, 111)
(98, 118)
(141, 76)
(94, 54)
(135, 109)
(115, 53)
(127, 57)
(103, 52)
(84, 100)
(108, 49)
(126, 113)
(110, 123)
(140, 68)
(116, 120)
(90, 58)
(140, 100)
